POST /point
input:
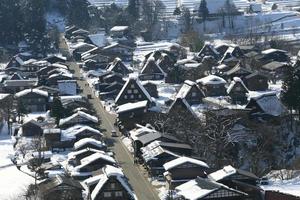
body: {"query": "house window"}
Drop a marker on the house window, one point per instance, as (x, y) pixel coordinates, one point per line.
(129, 91)
(119, 194)
(125, 97)
(132, 96)
(194, 94)
(135, 91)
(132, 86)
(112, 185)
(107, 194)
(140, 96)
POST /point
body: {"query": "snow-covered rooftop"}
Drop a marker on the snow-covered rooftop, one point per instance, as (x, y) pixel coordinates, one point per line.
(85, 141)
(131, 106)
(92, 158)
(181, 160)
(74, 130)
(78, 114)
(222, 173)
(27, 91)
(119, 28)
(211, 80)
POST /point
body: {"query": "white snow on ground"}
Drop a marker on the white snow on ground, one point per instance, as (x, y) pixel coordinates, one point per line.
(291, 186)
(13, 182)
(35, 115)
(128, 144)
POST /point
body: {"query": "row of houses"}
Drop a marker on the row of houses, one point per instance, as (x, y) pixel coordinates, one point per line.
(222, 78)
(88, 169)
(186, 176)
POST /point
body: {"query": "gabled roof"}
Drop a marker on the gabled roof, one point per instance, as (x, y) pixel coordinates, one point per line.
(181, 160)
(131, 106)
(94, 157)
(152, 136)
(274, 65)
(186, 88)
(109, 171)
(78, 114)
(54, 182)
(154, 153)
(134, 80)
(73, 154)
(20, 83)
(211, 49)
(269, 104)
(98, 39)
(237, 68)
(47, 88)
(119, 28)
(80, 31)
(58, 57)
(85, 141)
(200, 188)
(117, 45)
(184, 103)
(118, 63)
(151, 66)
(74, 130)
(234, 82)
(211, 80)
(228, 171)
(32, 121)
(28, 91)
(269, 51)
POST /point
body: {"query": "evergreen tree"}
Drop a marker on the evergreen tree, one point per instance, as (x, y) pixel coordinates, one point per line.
(133, 9)
(203, 12)
(78, 13)
(11, 21)
(57, 109)
(34, 26)
(21, 109)
(177, 11)
(291, 88)
(186, 15)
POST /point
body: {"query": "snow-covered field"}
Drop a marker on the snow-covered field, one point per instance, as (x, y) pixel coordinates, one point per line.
(13, 183)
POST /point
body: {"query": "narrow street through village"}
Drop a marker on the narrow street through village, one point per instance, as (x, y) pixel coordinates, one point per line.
(141, 186)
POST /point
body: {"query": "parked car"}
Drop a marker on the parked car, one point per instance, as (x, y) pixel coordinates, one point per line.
(114, 133)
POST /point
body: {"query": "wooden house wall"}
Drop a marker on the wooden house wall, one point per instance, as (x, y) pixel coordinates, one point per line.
(132, 94)
(274, 195)
(112, 186)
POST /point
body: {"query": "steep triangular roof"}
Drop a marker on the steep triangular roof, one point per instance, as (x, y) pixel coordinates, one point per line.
(78, 114)
(234, 82)
(108, 172)
(184, 104)
(238, 68)
(137, 84)
(151, 67)
(118, 66)
(208, 50)
(186, 88)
